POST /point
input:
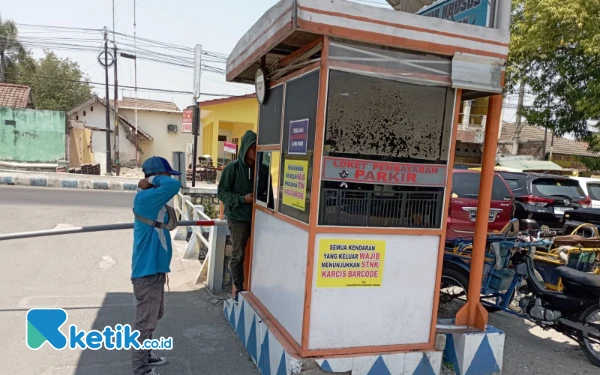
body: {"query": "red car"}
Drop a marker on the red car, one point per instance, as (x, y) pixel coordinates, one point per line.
(463, 204)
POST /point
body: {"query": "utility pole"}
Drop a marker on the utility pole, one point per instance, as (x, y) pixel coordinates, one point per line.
(551, 145)
(518, 126)
(116, 98)
(107, 93)
(196, 120)
(546, 131)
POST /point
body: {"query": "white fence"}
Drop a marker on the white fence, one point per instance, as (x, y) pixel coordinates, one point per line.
(212, 268)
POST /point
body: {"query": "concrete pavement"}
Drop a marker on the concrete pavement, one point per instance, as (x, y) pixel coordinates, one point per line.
(33, 196)
(88, 274)
(80, 181)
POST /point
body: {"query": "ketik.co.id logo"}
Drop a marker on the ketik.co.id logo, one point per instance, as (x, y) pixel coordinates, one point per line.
(43, 325)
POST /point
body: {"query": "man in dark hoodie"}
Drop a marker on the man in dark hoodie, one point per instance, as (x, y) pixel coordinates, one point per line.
(236, 192)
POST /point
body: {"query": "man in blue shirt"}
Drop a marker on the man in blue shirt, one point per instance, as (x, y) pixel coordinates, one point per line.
(152, 254)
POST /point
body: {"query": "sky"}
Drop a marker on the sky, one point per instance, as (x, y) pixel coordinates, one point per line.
(216, 25)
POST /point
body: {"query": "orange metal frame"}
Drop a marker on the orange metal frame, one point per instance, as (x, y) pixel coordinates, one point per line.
(470, 315)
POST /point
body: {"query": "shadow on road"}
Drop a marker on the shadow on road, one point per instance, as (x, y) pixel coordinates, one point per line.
(531, 350)
(202, 340)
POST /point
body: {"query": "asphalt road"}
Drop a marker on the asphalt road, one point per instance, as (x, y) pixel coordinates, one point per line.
(88, 275)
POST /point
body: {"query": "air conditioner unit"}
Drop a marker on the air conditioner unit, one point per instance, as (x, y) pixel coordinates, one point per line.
(172, 128)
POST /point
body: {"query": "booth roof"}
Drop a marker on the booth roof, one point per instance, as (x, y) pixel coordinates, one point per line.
(292, 24)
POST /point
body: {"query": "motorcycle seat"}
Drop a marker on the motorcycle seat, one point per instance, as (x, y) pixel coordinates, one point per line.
(578, 277)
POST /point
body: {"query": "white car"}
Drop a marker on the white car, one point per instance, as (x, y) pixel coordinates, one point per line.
(591, 187)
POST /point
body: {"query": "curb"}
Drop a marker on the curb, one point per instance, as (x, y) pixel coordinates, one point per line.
(66, 183)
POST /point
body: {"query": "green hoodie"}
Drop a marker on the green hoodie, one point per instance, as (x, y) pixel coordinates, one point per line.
(236, 181)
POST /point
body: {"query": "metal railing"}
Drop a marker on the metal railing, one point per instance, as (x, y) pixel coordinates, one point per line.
(212, 238)
(409, 209)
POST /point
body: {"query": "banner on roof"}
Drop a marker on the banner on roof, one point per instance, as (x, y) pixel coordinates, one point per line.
(473, 12)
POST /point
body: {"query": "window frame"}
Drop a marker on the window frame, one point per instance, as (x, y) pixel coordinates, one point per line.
(445, 150)
(265, 205)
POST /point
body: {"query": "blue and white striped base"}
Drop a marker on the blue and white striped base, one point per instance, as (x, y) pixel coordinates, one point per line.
(265, 350)
(272, 359)
(475, 353)
(67, 183)
(417, 363)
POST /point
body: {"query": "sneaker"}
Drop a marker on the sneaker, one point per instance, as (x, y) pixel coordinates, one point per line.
(152, 372)
(154, 360)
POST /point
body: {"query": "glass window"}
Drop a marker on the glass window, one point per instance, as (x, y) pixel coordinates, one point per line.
(378, 119)
(594, 191)
(298, 145)
(269, 123)
(266, 179)
(377, 130)
(558, 187)
(466, 185)
(516, 185)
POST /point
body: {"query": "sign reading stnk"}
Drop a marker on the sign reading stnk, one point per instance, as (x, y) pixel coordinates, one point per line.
(384, 173)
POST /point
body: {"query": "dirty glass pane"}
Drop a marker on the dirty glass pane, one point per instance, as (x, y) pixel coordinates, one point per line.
(298, 145)
(269, 123)
(381, 120)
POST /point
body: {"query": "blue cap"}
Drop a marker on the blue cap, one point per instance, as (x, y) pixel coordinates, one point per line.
(156, 164)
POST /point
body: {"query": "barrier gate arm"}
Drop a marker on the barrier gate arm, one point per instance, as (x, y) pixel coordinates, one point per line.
(104, 227)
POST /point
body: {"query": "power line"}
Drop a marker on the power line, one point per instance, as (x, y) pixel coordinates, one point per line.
(123, 86)
(90, 45)
(49, 27)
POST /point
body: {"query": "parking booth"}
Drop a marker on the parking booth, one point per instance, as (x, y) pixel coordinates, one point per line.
(358, 117)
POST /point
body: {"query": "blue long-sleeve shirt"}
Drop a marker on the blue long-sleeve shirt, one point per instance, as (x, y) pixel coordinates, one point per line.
(152, 249)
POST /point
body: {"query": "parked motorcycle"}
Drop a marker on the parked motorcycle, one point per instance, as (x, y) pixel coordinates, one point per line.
(575, 312)
(510, 272)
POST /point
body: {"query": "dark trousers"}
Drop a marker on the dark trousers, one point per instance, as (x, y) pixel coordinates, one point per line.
(240, 235)
(149, 294)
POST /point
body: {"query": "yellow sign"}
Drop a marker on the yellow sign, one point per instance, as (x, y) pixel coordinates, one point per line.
(568, 161)
(294, 183)
(350, 263)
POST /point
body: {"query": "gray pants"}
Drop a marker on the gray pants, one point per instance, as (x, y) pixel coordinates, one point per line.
(240, 235)
(149, 294)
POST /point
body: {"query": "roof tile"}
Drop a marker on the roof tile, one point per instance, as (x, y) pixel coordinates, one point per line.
(148, 105)
(16, 96)
(532, 133)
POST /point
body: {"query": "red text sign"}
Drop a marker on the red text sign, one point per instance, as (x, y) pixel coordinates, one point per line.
(384, 173)
(186, 123)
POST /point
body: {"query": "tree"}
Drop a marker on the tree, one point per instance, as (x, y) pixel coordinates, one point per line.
(11, 51)
(555, 52)
(56, 84)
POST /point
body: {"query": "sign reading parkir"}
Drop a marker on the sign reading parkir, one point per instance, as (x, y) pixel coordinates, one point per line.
(382, 172)
(347, 263)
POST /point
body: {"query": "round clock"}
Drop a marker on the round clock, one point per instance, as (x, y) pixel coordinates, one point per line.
(260, 83)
